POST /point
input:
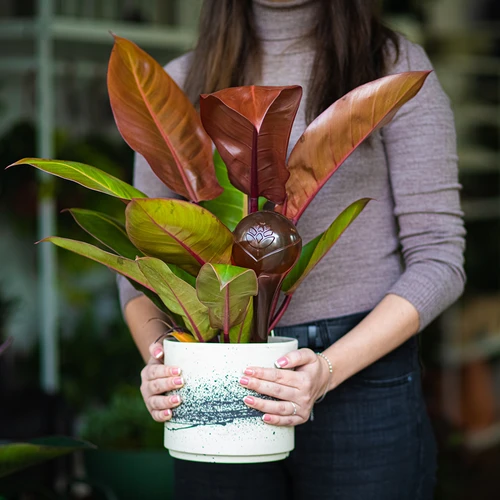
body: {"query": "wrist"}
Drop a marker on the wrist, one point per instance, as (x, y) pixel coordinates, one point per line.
(326, 375)
(338, 363)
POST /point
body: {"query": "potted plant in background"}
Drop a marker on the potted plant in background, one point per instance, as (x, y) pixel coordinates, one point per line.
(16, 456)
(131, 459)
(213, 262)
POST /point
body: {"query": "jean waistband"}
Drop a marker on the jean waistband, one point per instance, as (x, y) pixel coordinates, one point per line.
(321, 333)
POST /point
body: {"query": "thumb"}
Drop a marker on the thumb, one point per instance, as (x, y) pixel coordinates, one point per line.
(156, 350)
(295, 359)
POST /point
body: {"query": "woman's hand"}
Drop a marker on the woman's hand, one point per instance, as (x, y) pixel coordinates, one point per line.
(157, 379)
(297, 390)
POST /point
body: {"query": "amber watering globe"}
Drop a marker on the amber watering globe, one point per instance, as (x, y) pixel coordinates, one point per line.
(270, 244)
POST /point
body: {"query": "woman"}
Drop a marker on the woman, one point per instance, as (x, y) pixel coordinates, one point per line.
(391, 273)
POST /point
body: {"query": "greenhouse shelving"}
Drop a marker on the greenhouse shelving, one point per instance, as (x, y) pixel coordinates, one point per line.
(47, 30)
(459, 73)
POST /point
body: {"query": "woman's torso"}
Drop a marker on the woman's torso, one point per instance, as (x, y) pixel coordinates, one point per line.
(366, 261)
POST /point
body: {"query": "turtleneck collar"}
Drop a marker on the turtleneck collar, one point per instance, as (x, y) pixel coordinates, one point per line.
(284, 26)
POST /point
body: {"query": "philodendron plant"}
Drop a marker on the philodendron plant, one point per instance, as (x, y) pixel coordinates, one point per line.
(182, 253)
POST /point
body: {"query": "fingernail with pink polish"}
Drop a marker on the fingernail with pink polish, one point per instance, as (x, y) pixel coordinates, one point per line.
(266, 418)
(178, 381)
(249, 400)
(176, 371)
(175, 399)
(167, 413)
(249, 371)
(280, 363)
(157, 353)
(244, 381)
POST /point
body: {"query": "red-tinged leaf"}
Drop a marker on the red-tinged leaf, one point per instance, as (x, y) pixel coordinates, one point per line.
(179, 297)
(178, 232)
(339, 130)
(157, 120)
(226, 291)
(251, 127)
(317, 248)
(241, 333)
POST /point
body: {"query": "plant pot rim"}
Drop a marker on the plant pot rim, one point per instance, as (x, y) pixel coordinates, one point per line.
(272, 341)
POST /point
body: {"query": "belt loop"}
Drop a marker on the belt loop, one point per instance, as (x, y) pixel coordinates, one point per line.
(312, 336)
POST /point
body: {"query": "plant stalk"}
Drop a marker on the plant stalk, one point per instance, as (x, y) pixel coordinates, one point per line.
(281, 312)
(253, 199)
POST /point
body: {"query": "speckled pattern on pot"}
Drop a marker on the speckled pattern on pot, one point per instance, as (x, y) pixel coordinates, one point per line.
(213, 424)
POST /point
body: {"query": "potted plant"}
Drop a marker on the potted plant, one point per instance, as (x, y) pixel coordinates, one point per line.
(214, 262)
(130, 460)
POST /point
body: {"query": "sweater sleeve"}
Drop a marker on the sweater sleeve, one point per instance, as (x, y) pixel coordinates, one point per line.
(420, 146)
(145, 179)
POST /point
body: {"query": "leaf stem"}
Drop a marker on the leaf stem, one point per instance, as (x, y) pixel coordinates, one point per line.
(281, 312)
(253, 199)
(253, 205)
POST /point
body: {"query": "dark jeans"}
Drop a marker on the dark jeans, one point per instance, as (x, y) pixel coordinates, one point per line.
(370, 439)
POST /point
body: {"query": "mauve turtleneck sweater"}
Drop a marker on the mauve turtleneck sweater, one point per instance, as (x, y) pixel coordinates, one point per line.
(409, 240)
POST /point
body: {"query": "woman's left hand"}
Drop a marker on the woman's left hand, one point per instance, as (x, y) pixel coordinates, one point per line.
(296, 389)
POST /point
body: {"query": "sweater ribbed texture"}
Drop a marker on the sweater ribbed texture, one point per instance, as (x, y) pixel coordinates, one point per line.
(409, 240)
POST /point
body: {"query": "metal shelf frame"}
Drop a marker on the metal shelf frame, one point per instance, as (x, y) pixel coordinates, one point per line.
(46, 30)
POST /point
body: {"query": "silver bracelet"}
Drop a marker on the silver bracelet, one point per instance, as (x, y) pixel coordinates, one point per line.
(330, 369)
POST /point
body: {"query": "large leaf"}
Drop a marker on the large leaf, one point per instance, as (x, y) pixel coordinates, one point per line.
(339, 130)
(109, 231)
(226, 291)
(251, 127)
(231, 206)
(155, 299)
(241, 333)
(178, 232)
(17, 456)
(157, 120)
(126, 267)
(179, 297)
(85, 175)
(317, 248)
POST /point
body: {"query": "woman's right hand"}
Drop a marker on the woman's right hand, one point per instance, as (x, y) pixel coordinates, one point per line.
(157, 379)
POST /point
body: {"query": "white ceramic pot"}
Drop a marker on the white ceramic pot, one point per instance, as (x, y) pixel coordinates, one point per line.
(213, 424)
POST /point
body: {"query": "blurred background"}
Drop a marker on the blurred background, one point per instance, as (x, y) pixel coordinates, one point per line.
(73, 369)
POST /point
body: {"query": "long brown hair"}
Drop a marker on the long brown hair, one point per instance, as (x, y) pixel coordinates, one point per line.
(351, 49)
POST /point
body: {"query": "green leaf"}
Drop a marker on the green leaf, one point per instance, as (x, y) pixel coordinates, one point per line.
(178, 232)
(317, 248)
(155, 299)
(109, 231)
(122, 265)
(241, 333)
(17, 456)
(87, 176)
(231, 206)
(178, 296)
(226, 291)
